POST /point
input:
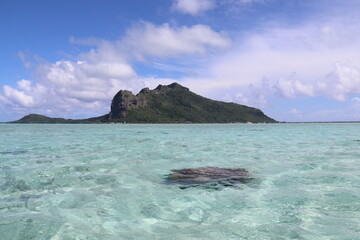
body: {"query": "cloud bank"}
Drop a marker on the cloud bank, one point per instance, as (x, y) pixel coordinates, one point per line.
(288, 63)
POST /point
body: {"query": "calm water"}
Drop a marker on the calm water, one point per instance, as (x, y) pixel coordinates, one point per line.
(107, 182)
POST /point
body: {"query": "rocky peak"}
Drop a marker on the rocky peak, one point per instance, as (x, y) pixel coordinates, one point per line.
(124, 101)
(163, 89)
(145, 90)
(176, 85)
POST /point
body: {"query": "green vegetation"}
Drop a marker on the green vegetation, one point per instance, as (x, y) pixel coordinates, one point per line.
(36, 118)
(175, 103)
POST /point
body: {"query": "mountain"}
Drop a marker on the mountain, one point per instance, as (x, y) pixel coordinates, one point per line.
(165, 104)
(175, 103)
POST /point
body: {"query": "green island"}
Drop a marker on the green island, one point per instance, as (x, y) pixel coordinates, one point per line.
(165, 104)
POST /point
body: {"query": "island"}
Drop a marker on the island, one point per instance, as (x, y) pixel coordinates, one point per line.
(165, 104)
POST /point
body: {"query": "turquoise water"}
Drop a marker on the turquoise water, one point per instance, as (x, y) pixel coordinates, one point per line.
(107, 182)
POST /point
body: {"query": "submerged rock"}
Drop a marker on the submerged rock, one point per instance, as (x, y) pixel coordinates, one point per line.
(206, 175)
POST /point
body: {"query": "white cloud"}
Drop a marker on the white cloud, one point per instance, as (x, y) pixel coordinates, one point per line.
(108, 70)
(17, 97)
(147, 39)
(307, 61)
(292, 88)
(24, 84)
(88, 83)
(342, 81)
(67, 87)
(193, 7)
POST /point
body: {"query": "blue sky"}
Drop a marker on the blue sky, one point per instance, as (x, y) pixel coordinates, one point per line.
(297, 60)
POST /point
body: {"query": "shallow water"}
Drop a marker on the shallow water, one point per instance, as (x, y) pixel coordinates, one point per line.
(108, 181)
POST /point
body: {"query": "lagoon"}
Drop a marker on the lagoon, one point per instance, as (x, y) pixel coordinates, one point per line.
(108, 181)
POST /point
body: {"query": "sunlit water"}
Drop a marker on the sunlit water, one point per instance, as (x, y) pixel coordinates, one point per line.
(108, 182)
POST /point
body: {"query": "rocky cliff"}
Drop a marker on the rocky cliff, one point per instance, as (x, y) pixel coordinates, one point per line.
(124, 101)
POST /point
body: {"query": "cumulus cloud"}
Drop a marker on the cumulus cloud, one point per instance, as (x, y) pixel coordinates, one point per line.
(147, 39)
(67, 86)
(288, 63)
(193, 7)
(292, 87)
(197, 7)
(344, 80)
(17, 97)
(88, 83)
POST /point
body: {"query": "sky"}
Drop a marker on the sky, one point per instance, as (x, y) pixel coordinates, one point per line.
(296, 60)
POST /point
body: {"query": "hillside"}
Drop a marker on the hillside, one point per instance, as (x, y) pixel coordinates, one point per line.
(175, 103)
(165, 104)
(36, 118)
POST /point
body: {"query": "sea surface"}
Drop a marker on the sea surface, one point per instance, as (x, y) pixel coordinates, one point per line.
(108, 181)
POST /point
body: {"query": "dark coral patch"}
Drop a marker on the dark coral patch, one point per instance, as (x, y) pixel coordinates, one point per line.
(209, 175)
